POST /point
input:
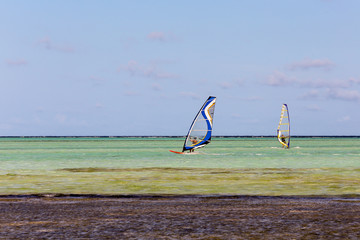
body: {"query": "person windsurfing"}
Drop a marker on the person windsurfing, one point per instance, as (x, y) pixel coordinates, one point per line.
(193, 141)
(282, 137)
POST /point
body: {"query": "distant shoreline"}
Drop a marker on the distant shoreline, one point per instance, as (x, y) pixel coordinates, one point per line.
(227, 136)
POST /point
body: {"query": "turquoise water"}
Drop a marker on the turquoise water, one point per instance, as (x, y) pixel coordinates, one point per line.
(256, 166)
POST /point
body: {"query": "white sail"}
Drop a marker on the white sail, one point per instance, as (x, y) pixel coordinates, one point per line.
(283, 130)
(201, 128)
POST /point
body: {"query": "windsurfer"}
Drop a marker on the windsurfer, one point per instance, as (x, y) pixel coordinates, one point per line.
(193, 141)
(283, 139)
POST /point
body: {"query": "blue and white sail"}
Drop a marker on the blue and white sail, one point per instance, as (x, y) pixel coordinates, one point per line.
(283, 130)
(201, 128)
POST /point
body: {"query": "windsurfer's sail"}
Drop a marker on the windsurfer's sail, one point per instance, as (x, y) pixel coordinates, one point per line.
(201, 128)
(283, 130)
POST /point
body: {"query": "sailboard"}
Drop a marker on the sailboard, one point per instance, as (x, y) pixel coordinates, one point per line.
(199, 134)
(283, 130)
(176, 152)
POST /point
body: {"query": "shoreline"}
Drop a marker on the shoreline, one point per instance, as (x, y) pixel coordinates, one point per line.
(175, 196)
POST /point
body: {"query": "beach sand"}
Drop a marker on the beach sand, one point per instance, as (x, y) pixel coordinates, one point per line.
(178, 217)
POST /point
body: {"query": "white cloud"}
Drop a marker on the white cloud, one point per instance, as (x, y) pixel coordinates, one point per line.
(156, 87)
(149, 71)
(307, 64)
(279, 79)
(99, 105)
(19, 62)
(161, 36)
(354, 81)
(310, 95)
(343, 94)
(231, 84)
(321, 83)
(226, 85)
(344, 119)
(131, 67)
(153, 72)
(131, 93)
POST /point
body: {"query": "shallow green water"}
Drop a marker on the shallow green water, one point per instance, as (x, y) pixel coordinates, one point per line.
(255, 166)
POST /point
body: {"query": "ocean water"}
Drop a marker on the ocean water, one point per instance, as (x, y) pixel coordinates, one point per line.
(242, 166)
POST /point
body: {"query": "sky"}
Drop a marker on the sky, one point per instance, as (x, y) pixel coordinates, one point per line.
(142, 68)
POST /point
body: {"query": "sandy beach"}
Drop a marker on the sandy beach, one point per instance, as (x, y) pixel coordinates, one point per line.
(178, 217)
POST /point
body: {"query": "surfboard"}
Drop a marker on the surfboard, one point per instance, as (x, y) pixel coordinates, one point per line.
(176, 152)
(199, 134)
(185, 153)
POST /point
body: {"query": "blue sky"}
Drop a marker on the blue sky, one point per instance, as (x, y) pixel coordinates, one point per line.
(145, 67)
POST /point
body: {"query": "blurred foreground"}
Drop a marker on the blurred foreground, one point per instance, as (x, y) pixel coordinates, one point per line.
(179, 217)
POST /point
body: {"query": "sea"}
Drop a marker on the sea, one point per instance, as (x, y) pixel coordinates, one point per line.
(313, 166)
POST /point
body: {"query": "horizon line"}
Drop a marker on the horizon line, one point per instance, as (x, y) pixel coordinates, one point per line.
(179, 136)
